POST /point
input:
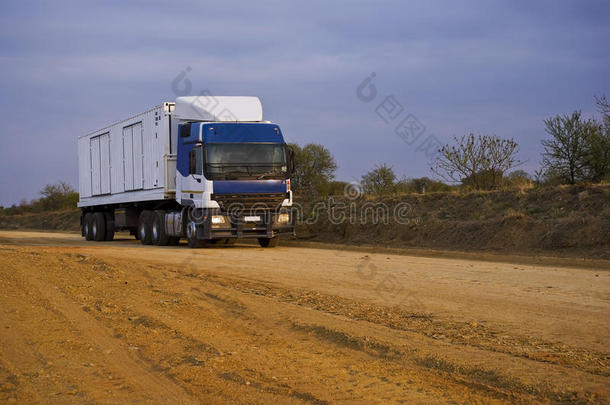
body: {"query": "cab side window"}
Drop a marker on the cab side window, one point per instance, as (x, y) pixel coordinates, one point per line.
(195, 161)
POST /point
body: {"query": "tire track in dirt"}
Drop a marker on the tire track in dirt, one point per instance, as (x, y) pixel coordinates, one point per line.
(495, 384)
(469, 334)
(206, 329)
(139, 318)
(30, 374)
(144, 315)
(142, 376)
(144, 312)
(488, 382)
(247, 319)
(14, 383)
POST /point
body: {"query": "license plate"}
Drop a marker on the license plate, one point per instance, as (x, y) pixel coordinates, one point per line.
(253, 218)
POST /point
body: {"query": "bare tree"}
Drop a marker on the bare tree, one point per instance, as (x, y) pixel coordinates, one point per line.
(477, 161)
(597, 159)
(565, 152)
(58, 196)
(603, 105)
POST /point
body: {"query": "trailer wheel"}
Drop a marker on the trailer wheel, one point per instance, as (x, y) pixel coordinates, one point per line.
(87, 226)
(82, 224)
(109, 226)
(191, 236)
(144, 225)
(99, 227)
(268, 242)
(159, 236)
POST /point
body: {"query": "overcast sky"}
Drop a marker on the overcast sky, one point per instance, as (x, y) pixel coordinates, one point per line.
(70, 67)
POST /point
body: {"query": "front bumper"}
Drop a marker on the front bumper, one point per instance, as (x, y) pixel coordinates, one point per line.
(239, 227)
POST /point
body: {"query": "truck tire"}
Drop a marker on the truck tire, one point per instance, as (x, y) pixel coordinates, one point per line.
(99, 226)
(144, 227)
(109, 226)
(82, 224)
(268, 242)
(87, 226)
(191, 236)
(158, 234)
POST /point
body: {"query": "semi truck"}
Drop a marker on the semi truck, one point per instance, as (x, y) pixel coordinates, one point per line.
(204, 168)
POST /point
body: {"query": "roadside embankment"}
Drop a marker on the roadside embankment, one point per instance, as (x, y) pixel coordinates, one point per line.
(571, 221)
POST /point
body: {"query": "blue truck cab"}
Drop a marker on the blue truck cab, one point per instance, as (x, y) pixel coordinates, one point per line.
(234, 178)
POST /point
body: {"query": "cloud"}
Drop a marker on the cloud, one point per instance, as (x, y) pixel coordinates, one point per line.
(70, 67)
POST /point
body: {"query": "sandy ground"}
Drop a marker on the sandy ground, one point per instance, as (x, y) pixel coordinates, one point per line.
(117, 322)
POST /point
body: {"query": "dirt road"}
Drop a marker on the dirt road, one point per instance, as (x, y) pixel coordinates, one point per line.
(117, 322)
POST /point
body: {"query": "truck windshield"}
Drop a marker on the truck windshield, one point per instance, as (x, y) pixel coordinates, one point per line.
(230, 161)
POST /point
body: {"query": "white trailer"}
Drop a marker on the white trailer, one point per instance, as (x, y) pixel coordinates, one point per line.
(131, 160)
(171, 172)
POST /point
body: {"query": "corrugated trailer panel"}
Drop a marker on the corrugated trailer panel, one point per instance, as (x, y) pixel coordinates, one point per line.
(84, 168)
(128, 161)
(117, 184)
(104, 163)
(94, 151)
(137, 157)
(149, 150)
(99, 155)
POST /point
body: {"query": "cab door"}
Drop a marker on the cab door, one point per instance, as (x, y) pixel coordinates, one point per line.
(189, 173)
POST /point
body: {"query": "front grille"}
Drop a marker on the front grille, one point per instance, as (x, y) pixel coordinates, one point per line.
(238, 203)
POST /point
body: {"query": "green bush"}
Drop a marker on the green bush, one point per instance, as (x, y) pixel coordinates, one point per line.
(55, 197)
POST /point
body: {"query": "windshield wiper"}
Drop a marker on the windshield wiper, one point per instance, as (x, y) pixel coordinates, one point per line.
(269, 173)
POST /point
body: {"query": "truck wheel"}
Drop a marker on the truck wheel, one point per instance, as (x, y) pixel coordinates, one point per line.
(268, 242)
(87, 226)
(144, 225)
(191, 236)
(99, 227)
(109, 226)
(82, 224)
(159, 236)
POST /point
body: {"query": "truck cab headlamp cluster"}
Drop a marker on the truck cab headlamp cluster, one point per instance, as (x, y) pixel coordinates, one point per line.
(282, 218)
(218, 220)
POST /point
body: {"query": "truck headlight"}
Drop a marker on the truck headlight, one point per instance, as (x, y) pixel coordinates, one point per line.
(218, 219)
(282, 219)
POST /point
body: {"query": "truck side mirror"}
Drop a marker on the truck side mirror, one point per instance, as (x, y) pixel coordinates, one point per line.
(290, 160)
